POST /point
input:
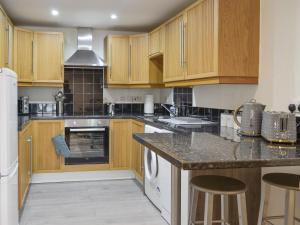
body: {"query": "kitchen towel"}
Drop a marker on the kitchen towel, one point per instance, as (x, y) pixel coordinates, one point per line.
(61, 146)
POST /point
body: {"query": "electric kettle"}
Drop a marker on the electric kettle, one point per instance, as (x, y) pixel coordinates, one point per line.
(251, 118)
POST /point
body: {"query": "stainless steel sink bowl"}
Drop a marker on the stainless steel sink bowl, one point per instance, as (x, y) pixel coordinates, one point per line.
(184, 121)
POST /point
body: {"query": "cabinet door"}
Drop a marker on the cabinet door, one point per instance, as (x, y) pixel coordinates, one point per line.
(23, 54)
(156, 42)
(45, 158)
(2, 38)
(202, 40)
(118, 60)
(48, 57)
(120, 144)
(137, 158)
(139, 61)
(25, 148)
(174, 50)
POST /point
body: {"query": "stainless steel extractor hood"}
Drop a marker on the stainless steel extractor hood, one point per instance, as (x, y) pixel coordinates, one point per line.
(84, 56)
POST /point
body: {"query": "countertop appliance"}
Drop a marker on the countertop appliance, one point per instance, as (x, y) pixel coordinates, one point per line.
(59, 98)
(279, 127)
(149, 105)
(251, 118)
(23, 105)
(88, 140)
(9, 214)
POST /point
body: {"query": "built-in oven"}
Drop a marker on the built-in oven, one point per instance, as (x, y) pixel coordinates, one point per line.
(88, 141)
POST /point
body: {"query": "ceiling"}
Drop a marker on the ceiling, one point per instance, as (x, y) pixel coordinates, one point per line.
(134, 15)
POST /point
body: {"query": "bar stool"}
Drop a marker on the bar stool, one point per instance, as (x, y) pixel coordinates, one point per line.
(288, 182)
(217, 185)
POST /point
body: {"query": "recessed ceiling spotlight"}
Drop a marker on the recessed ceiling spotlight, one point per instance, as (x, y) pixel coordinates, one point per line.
(113, 16)
(54, 12)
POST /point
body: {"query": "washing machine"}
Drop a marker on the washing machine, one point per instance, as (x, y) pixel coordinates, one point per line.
(157, 182)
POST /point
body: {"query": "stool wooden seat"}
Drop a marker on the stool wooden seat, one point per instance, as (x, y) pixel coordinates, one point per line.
(217, 185)
(290, 183)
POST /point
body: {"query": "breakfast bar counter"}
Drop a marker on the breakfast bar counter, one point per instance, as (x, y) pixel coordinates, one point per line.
(210, 153)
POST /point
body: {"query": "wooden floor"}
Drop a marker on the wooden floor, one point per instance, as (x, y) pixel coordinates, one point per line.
(119, 202)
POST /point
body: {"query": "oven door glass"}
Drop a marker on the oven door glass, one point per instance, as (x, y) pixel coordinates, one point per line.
(87, 145)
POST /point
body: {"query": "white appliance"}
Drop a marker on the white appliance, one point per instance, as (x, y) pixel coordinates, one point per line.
(149, 105)
(157, 182)
(158, 178)
(9, 214)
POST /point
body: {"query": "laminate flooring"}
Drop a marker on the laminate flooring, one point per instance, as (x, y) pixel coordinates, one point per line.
(118, 202)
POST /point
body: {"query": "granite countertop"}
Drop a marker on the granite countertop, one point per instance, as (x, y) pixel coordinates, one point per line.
(209, 150)
(150, 120)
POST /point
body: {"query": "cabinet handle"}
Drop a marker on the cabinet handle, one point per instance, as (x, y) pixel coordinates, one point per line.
(29, 140)
(8, 47)
(129, 67)
(110, 70)
(180, 44)
(62, 65)
(32, 62)
(183, 43)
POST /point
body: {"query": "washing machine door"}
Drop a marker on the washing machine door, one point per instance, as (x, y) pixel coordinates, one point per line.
(151, 165)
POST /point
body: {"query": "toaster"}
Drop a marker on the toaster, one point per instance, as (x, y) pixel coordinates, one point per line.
(279, 127)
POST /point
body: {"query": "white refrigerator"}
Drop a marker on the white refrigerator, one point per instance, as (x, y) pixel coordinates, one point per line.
(9, 214)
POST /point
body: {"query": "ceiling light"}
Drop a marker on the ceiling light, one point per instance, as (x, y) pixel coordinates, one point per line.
(54, 12)
(113, 16)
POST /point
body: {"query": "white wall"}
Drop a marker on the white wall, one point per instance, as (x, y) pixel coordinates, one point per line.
(279, 63)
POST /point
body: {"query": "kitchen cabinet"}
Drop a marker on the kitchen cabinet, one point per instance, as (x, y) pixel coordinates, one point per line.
(120, 143)
(128, 62)
(44, 156)
(25, 162)
(6, 40)
(137, 157)
(213, 42)
(139, 62)
(156, 42)
(174, 50)
(48, 58)
(23, 55)
(117, 57)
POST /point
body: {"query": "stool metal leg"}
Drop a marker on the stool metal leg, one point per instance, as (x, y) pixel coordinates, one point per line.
(264, 203)
(242, 208)
(193, 206)
(289, 208)
(209, 204)
(224, 208)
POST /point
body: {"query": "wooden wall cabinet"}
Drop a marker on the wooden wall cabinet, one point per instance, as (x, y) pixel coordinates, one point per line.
(44, 155)
(117, 57)
(25, 162)
(23, 55)
(38, 58)
(6, 41)
(174, 50)
(156, 42)
(212, 42)
(128, 62)
(48, 57)
(137, 157)
(138, 59)
(120, 143)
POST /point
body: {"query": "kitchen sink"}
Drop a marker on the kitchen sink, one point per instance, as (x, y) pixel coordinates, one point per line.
(185, 121)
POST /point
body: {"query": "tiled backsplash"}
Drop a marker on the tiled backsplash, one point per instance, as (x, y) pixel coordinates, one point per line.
(183, 96)
(83, 89)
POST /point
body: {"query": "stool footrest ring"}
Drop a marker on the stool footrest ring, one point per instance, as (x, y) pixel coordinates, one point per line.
(214, 221)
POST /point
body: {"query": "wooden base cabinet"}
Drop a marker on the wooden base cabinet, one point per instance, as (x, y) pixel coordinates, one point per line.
(44, 155)
(120, 143)
(213, 41)
(25, 162)
(137, 157)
